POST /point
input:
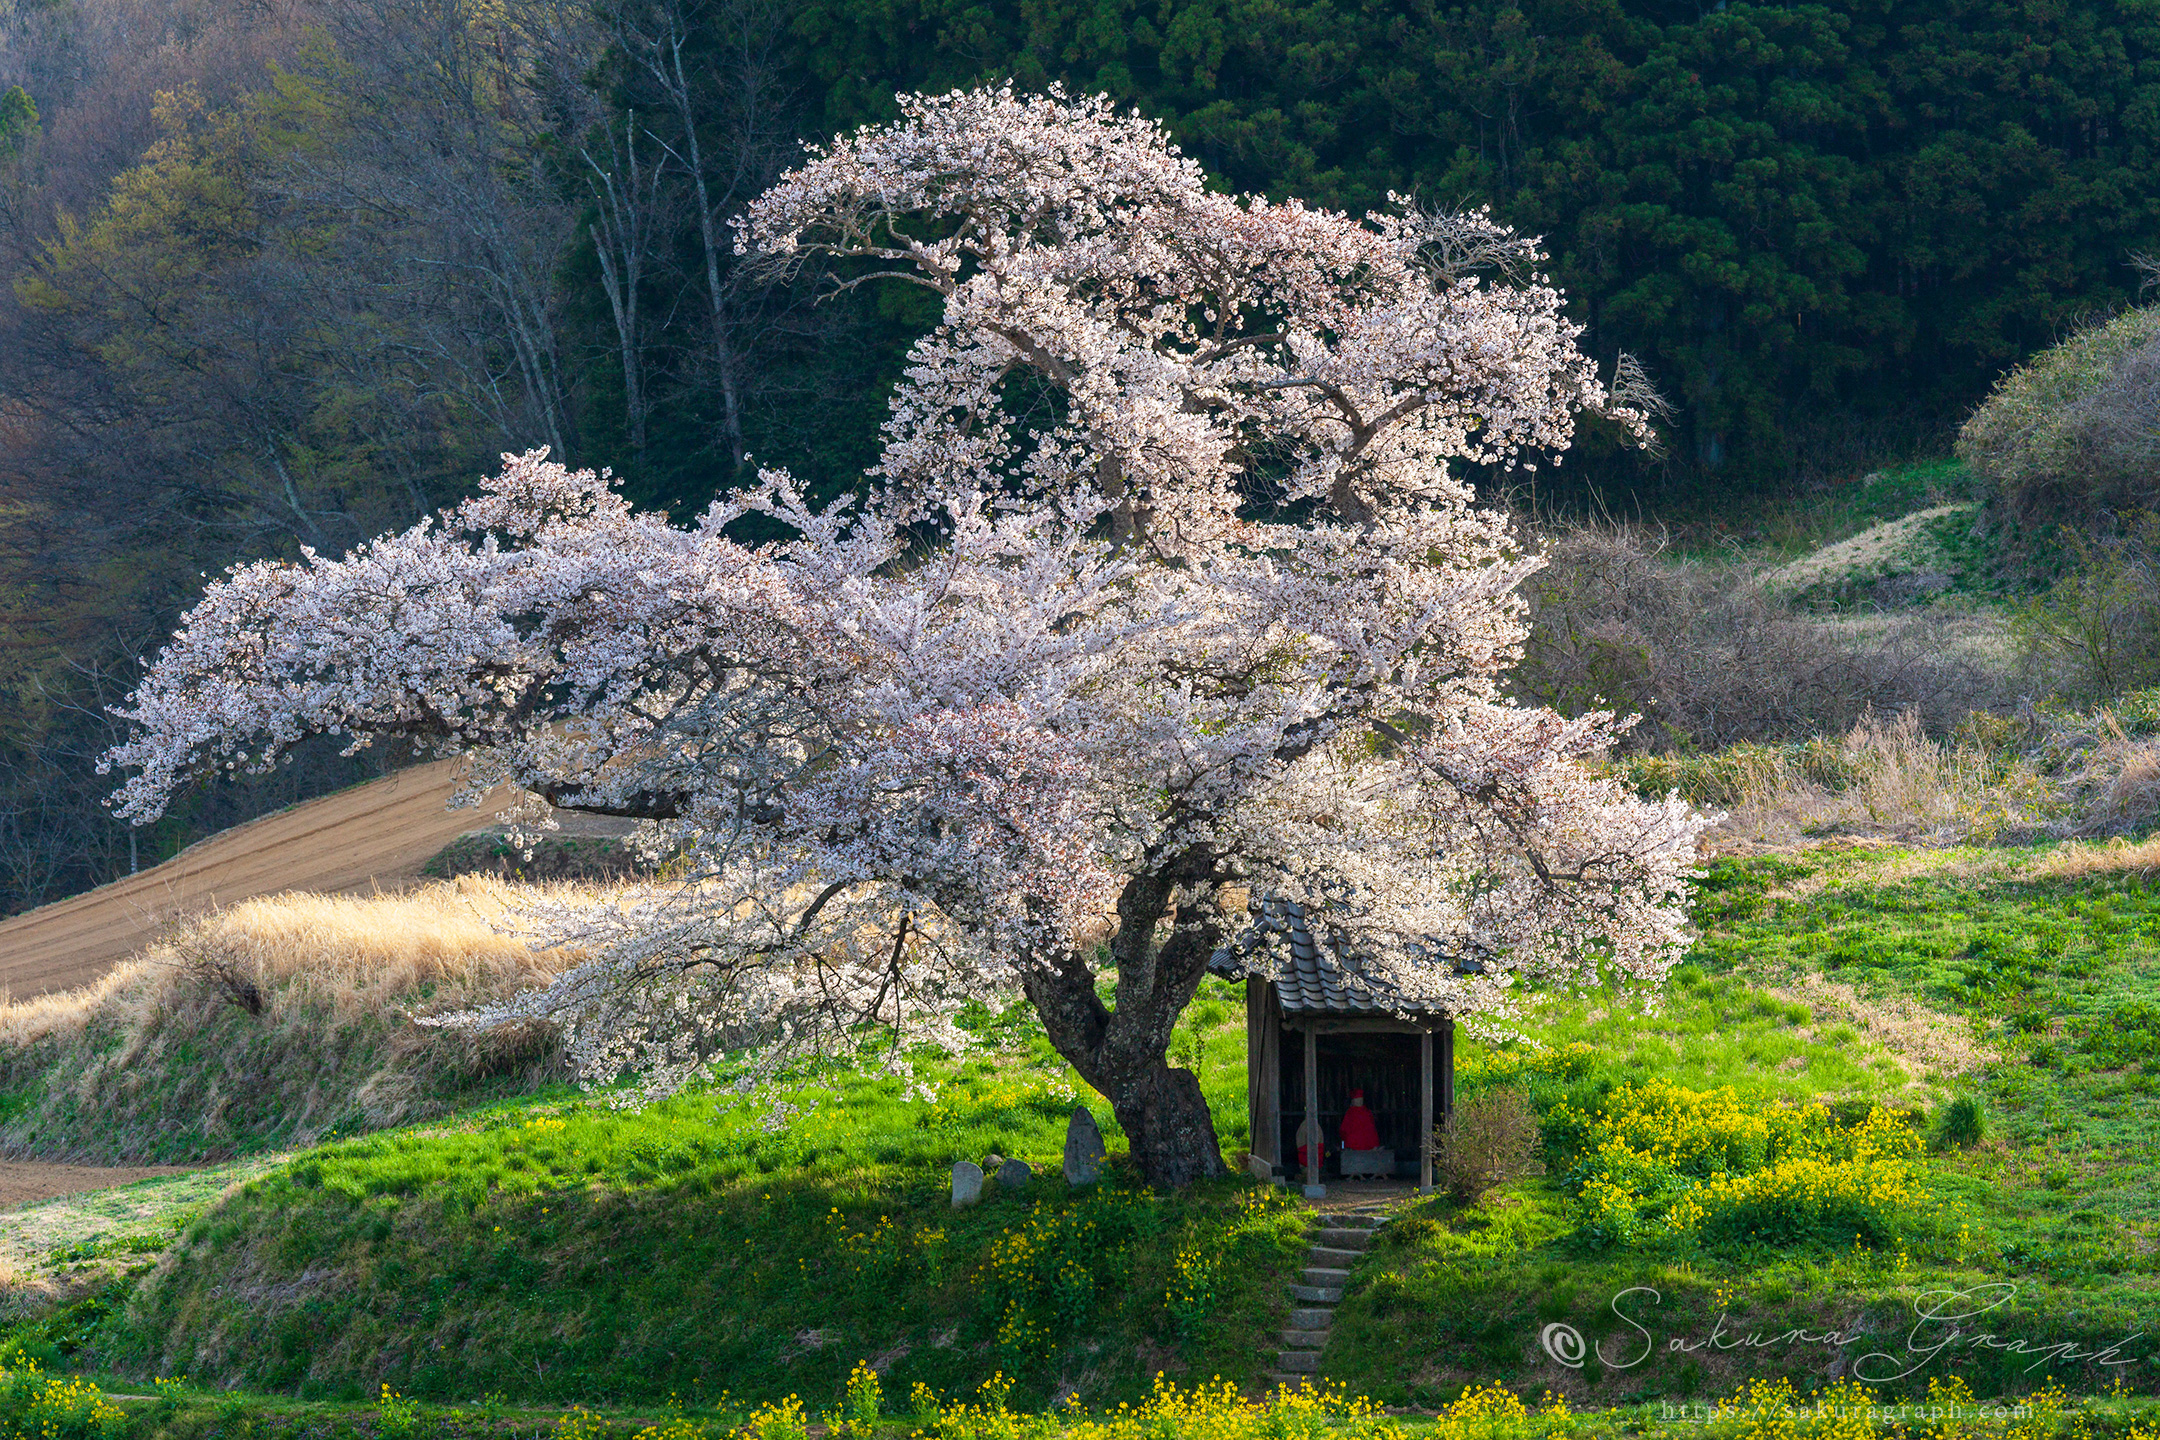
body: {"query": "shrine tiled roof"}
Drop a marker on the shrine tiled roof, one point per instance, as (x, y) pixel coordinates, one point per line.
(1317, 980)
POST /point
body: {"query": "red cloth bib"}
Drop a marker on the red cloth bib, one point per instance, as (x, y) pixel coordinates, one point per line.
(1358, 1130)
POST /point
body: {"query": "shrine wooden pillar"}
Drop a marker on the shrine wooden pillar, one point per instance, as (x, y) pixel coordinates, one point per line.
(1425, 1110)
(1313, 1144)
(1447, 1070)
(1263, 1071)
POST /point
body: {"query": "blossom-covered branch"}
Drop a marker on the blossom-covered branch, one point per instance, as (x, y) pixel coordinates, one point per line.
(1218, 620)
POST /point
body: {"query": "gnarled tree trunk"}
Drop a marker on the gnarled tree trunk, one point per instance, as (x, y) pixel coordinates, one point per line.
(1123, 1051)
(1166, 1118)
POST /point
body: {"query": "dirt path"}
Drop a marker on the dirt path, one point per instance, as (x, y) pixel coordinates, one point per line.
(378, 834)
(23, 1182)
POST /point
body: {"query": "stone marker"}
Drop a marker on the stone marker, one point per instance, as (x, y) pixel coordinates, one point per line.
(1014, 1175)
(1258, 1168)
(1083, 1148)
(967, 1183)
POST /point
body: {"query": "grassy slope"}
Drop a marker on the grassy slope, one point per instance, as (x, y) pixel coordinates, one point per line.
(1787, 528)
(2059, 1206)
(574, 1251)
(1822, 539)
(688, 1249)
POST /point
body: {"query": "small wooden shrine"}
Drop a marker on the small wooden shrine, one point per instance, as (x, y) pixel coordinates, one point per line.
(1321, 1030)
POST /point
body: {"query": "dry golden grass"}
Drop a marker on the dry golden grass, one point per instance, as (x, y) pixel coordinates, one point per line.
(276, 1020)
(1897, 784)
(2117, 784)
(354, 954)
(2116, 857)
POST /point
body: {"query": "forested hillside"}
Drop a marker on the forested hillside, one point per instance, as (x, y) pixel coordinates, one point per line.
(1801, 216)
(284, 273)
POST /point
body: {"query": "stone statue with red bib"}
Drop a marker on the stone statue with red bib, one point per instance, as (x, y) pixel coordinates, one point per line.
(1361, 1150)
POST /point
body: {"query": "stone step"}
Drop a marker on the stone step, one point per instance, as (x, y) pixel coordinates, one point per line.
(1299, 1362)
(1311, 1319)
(1326, 1255)
(1289, 1381)
(1305, 1339)
(1317, 1294)
(1325, 1275)
(1342, 1239)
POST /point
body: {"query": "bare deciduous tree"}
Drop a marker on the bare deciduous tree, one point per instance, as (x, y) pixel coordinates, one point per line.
(627, 194)
(712, 67)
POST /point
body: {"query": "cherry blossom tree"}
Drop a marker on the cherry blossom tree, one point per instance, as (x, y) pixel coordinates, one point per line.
(1162, 596)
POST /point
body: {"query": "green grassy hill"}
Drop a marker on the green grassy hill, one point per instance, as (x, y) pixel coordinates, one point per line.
(560, 1249)
(2022, 979)
(575, 1252)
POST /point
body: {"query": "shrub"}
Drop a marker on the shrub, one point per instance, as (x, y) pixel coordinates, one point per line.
(2138, 712)
(2077, 430)
(781, 1420)
(1881, 776)
(2103, 766)
(1491, 1139)
(396, 1415)
(593, 859)
(865, 1400)
(2101, 621)
(1709, 657)
(1962, 1122)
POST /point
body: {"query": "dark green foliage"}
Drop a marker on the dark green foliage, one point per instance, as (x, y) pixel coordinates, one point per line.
(18, 121)
(1826, 228)
(573, 857)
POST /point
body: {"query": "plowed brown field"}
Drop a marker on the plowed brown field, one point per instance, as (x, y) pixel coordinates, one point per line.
(378, 834)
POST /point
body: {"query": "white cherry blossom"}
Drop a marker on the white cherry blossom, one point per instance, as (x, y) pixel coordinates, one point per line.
(1162, 595)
